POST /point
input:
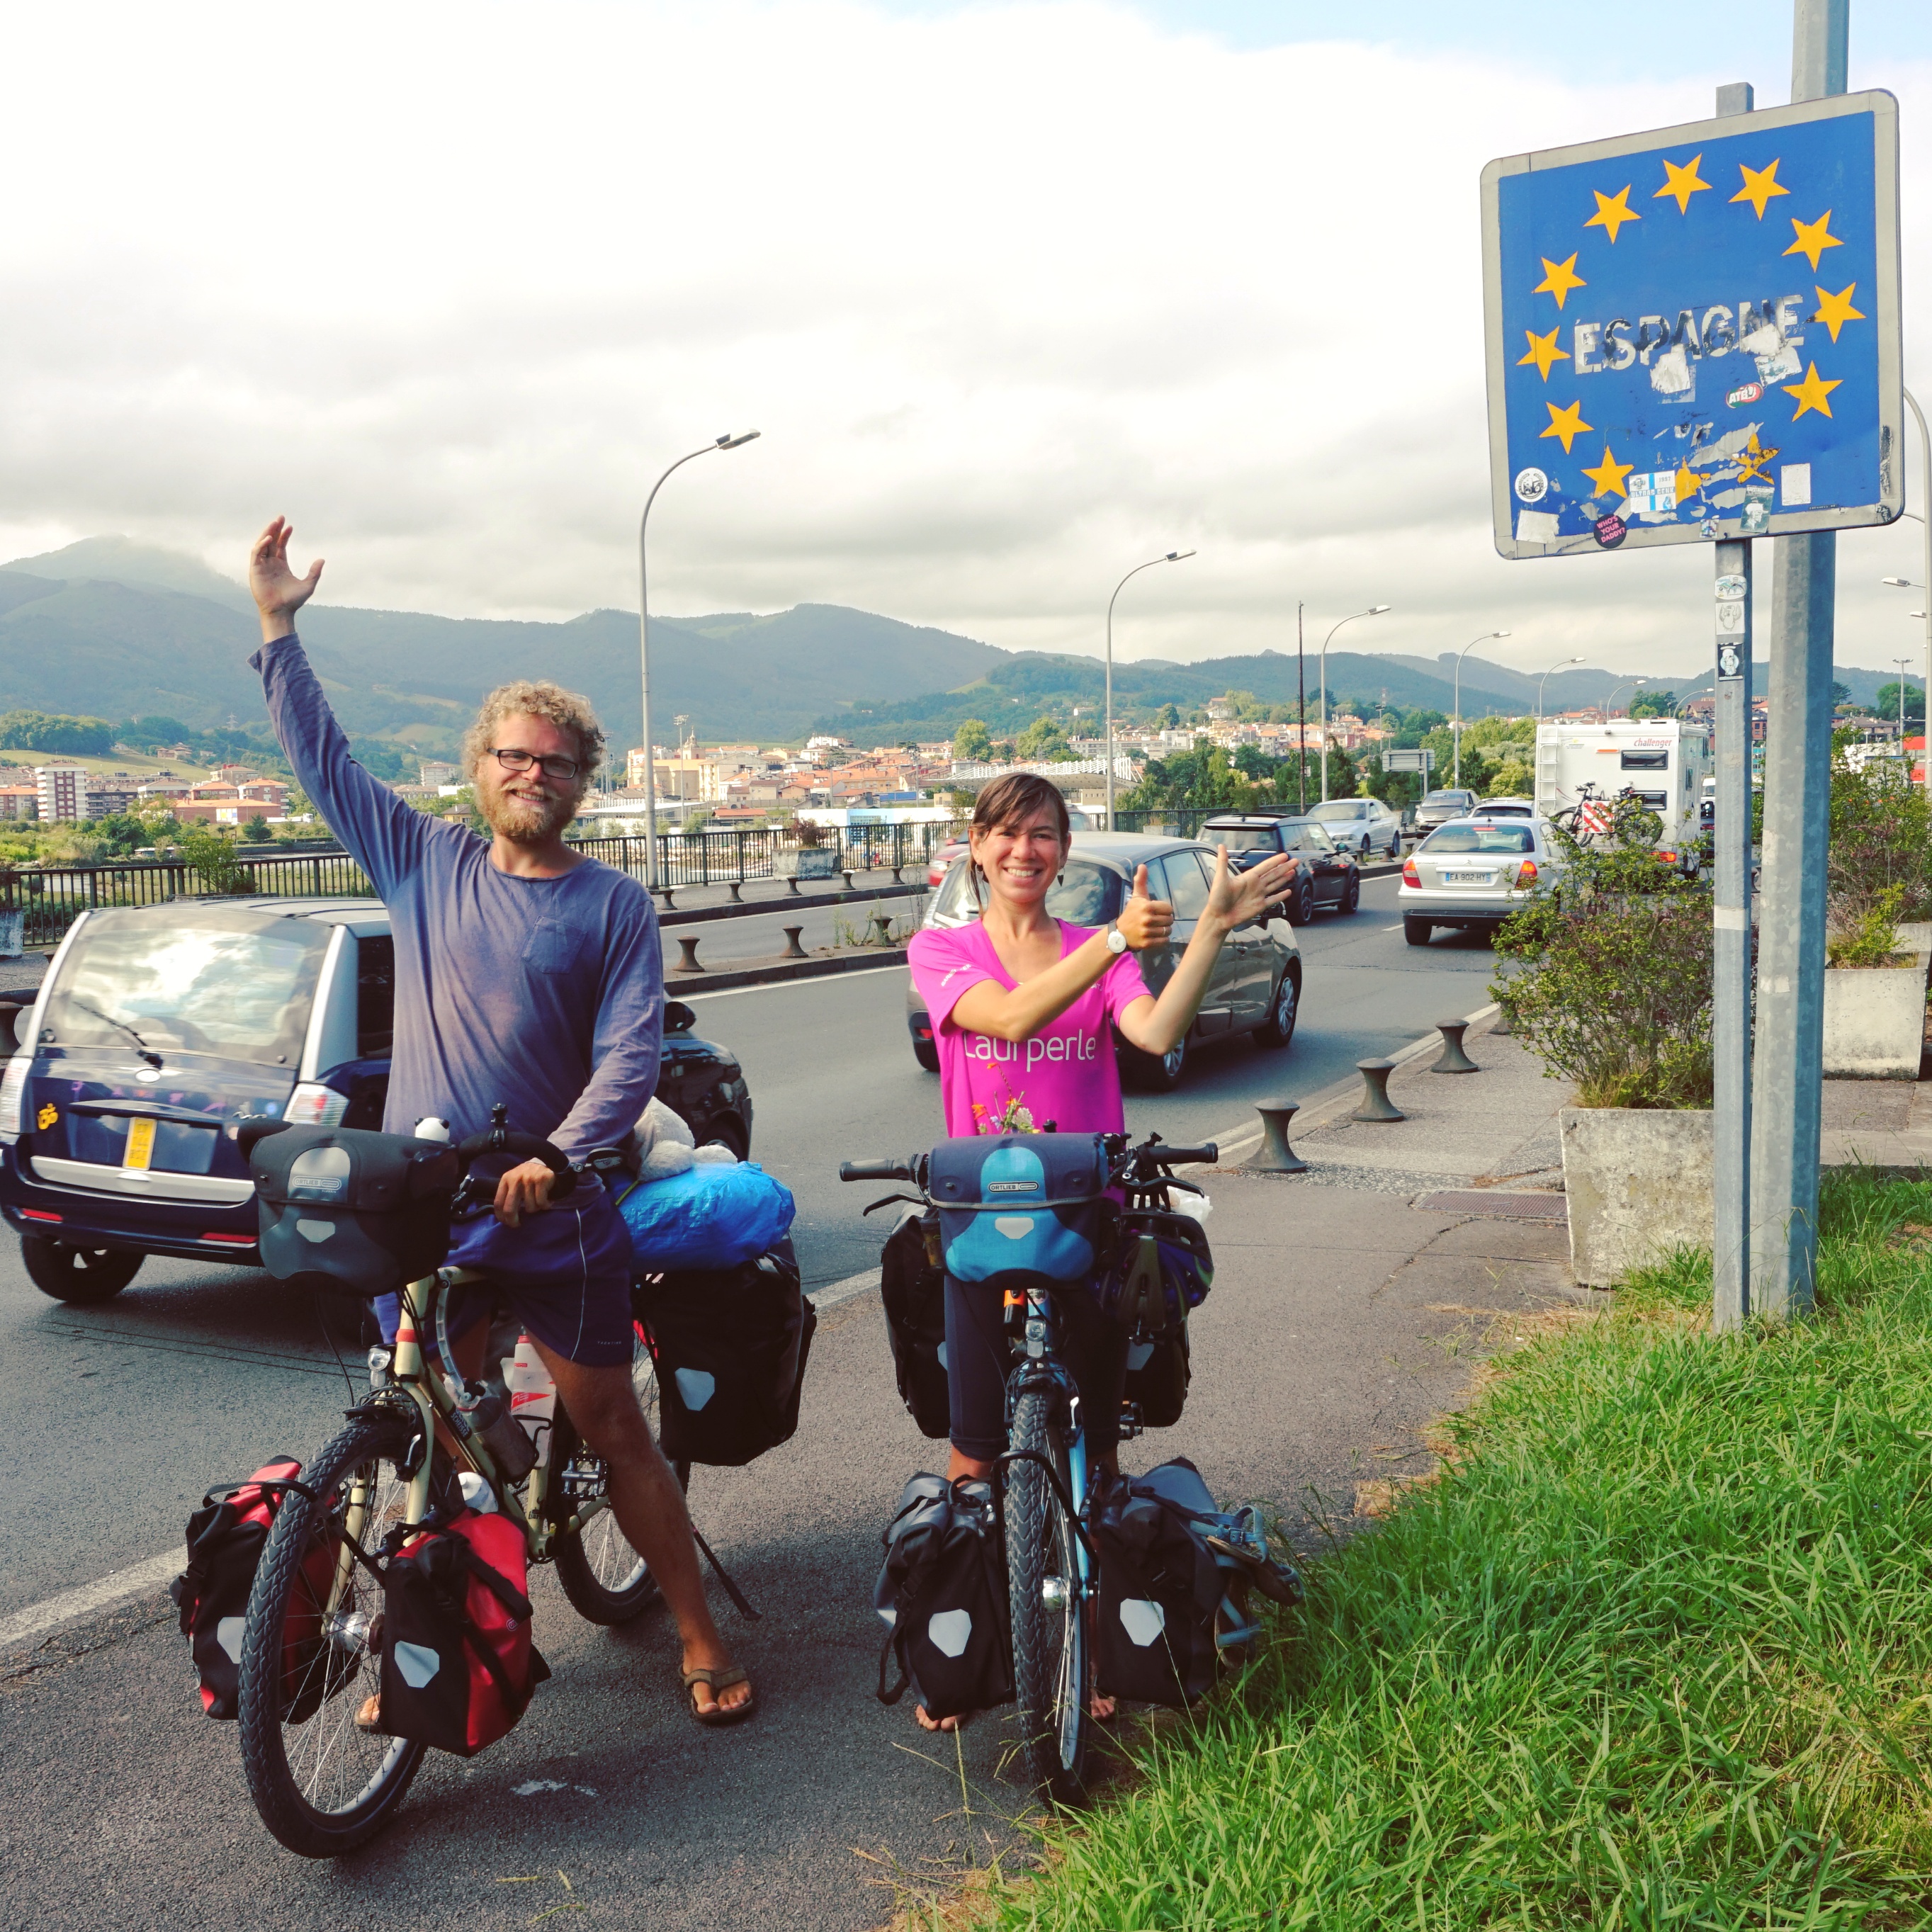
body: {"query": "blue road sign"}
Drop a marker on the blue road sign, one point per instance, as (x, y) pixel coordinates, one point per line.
(1694, 334)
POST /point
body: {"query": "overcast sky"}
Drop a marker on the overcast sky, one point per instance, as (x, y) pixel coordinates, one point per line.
(1017, 294)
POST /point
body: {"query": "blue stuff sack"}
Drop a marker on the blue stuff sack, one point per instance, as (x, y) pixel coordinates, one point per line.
(1019, 1205)
(706, 1217)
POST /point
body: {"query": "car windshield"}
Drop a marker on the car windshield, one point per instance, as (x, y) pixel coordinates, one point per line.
(1338, 810)
(1084, 895)
(1242, 838)
(243, 992)
(1456, 838)
(1446, 798)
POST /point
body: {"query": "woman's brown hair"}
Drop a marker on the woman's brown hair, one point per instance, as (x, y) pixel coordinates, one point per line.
(1011, 801)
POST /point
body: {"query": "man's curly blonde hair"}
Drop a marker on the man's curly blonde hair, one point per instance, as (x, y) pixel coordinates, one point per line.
(526, 698)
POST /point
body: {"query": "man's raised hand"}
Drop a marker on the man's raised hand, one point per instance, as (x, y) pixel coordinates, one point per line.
(278, 593)
(1145, 923)
(1237, 898)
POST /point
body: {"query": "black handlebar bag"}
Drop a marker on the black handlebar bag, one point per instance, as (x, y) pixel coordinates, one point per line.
(1016, 1208)
(351, 1212)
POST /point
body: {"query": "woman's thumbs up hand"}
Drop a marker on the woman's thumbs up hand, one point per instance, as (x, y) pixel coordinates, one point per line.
(1146, 923)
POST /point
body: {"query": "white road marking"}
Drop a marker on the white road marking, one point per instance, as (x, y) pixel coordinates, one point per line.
(813, 979)
(836, 1291)
(135, 1581)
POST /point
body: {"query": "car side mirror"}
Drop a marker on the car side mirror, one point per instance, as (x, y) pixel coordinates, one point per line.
(678, 1017)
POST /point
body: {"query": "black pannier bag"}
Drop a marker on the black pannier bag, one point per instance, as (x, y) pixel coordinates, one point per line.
(1164, 1269)
(731, 1345)
(1159, 1370)
(1020, 1208)
(912, 1284)
(1160, 1586)
(349, 1212)
(942, 1596)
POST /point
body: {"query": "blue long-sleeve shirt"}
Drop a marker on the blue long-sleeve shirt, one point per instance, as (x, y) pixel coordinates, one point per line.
(546, 994)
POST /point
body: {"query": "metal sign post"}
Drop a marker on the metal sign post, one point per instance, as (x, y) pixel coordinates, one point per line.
(1692, 336)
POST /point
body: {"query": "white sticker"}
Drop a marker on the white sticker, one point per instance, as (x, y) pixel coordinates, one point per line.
(417, 1662)
(948, 1631)
(1730, 590)
(1142, 1621)
(696, 1386)
(1536, 526)
(315, 1231)
(1730, 617)
(1653, 492)
(1531, 485)
(228, 1634)
(890, 1616)
(1014, 1227)
(1794, 483)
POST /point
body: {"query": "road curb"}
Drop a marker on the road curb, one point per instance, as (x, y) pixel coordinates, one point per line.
(804, 902)
(776, 971)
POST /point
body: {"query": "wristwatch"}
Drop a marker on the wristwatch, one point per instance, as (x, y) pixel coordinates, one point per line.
(1117, 940)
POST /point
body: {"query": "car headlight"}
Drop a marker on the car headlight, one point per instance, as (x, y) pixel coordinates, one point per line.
(13, 1092)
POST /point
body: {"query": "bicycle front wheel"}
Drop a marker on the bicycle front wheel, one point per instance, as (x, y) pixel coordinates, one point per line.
(309, 1651)
(1052, 1675)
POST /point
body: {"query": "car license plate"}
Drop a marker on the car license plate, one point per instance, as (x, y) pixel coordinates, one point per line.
(140, 1144)
(1466, 878)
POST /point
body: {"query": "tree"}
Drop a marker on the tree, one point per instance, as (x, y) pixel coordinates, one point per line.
(972, 743)
(1654, 704)
(258, 831)
(1886, 705)
(1167, 717)
(1841, 693)
(1043, 740)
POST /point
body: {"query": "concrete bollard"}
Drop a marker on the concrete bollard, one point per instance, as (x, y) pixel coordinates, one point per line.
(792, 949)
(665, 892)
(688, 959)
(847, 877)
(791, 888)
(1502, 1025)
(737, 897)
(1275, 1156)
(1453, 1059)
(882, 928)
(1376, 1104)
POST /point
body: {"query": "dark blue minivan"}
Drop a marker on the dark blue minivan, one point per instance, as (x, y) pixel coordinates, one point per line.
(156, 1026)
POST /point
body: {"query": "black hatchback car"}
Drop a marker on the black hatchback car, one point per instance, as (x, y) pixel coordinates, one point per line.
(1324, 875)
(156, 1026)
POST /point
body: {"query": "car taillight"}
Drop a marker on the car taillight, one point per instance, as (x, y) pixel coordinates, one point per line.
(1410, 876)
(13, 1092)
(1526, 874)
(312, 1105)
(230, 1241)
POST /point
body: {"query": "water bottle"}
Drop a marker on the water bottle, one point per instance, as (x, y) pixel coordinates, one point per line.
(515, 1454)
(532, 1397)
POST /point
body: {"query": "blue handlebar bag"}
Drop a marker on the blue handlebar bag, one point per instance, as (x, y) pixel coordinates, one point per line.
(706, 1217)
(1025, 1204)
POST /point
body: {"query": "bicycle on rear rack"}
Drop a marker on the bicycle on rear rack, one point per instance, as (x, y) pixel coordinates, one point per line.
(1045, 1489)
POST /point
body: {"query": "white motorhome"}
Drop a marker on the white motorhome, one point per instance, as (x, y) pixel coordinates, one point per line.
(1664, 761)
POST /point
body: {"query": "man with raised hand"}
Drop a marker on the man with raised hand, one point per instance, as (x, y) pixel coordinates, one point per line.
(529, 974)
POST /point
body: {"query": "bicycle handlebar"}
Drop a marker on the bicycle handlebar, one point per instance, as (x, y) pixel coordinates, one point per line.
(874, 1170)
(252, 1128)
(1206, 1155)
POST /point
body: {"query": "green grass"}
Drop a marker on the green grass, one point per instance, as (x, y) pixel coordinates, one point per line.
(1655, 1653)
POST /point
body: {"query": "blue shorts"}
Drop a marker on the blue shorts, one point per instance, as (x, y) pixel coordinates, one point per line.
(566, 1274)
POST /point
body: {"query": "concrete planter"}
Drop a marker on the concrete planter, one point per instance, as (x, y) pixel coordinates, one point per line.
(1639, 1185)
(1875, 1015)
(810, 862)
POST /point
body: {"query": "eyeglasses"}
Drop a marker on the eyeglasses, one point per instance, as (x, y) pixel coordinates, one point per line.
(521, 761)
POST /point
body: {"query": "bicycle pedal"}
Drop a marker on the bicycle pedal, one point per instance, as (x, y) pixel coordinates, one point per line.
(1131, 1424)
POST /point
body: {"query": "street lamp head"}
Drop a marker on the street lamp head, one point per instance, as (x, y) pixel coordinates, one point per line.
(733, 442)
(1176, 556)
(1376, 609)
(1899, 583)
(1499, 633)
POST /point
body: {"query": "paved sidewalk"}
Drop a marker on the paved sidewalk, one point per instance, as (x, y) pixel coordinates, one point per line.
(1879, 1122)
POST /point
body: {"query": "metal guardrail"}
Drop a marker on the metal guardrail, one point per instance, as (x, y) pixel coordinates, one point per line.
(50, 898)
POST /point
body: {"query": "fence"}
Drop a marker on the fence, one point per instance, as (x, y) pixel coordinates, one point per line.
(50, 899)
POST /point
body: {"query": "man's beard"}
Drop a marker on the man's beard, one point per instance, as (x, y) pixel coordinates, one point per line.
(525, 821)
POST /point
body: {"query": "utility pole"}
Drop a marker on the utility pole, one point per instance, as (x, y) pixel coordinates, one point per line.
(1301, 727)
(1787, 1077)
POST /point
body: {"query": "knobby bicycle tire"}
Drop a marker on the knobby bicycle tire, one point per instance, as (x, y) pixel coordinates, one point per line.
(322, 1786)
(1052, 1674)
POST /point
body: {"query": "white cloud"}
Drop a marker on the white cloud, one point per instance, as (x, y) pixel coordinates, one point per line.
(1017, 296)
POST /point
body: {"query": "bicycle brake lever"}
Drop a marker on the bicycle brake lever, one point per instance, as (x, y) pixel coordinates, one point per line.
(915, 1200)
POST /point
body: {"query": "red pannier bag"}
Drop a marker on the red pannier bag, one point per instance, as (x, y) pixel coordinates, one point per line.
(225, 1537)
(458, 1665)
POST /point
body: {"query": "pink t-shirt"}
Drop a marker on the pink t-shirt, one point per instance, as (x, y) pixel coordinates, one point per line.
(1066, 1073)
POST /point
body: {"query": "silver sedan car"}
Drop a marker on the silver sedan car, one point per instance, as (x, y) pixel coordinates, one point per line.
(1360, 825)
(1472, 873)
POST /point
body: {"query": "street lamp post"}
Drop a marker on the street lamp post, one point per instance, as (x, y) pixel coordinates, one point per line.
(1458, 721)
(1905, 584)
(644, 652)
(1903, 664)
(1172, 556)
(1373, 610)
(1635, 683)
(1541, 681)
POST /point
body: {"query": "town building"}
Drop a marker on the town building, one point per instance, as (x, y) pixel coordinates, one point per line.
(20, 801)
(62, 792)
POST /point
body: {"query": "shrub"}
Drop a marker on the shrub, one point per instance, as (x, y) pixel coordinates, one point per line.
(1872, 940)
(1880, 830)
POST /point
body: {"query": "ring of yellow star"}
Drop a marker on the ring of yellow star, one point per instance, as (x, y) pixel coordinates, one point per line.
(1568, 424)
(1543, 351)
(1760, 185)
(1813, 239)
(1811, 393)
(1752, 462)
(1558, 279)
(1835, 311)
(1613, 212)
(1681, 183)
(1609, 474)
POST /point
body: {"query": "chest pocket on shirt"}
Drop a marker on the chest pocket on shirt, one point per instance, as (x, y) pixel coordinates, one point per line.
(553, 947)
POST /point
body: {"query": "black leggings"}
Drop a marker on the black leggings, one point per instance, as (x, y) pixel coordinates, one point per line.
(978, 1359)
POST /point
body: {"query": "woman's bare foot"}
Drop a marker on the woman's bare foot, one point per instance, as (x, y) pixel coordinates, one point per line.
(926, 1724)
(1101, 1709)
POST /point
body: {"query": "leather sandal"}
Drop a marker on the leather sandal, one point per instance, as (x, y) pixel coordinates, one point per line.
(719, 1715)
(1275, 1581)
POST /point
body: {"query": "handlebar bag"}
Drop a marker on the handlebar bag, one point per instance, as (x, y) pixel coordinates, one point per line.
(706, 1217)
(1025, 1205)
(942, 1595)
(913, 1287)
(731, 1345)
(225, 1537)
(351, 1212)
(458, 1665)
(1161, 1587)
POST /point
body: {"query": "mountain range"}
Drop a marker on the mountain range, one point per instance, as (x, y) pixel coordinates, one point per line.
(111, 628)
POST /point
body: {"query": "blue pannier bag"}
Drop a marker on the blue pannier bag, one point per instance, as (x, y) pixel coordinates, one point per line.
(706, 1217)
(1020, 1204)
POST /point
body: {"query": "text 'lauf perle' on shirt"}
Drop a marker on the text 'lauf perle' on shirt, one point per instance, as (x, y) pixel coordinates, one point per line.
(546, 994)
(1066, 1073)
